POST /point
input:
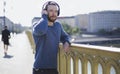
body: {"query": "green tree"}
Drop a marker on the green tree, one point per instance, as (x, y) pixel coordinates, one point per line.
(102, 31)
(71, 30)
(75, 30)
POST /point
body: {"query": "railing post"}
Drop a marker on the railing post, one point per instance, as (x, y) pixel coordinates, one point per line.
(59, 63)
(75, 60)
(107, 70)
(62, 62)
(68, 64)
(84, 66)
(94, 68)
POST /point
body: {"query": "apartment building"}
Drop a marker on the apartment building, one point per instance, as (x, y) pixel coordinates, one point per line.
(107, 20)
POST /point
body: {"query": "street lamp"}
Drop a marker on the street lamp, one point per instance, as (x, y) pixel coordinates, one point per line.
(4, 4)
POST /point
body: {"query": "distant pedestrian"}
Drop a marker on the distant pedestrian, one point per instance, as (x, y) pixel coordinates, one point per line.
(5, 38)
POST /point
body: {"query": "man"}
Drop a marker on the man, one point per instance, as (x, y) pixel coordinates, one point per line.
(47, 34)
(5, 39)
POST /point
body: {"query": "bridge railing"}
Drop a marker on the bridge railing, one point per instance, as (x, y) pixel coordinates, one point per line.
(89, 59)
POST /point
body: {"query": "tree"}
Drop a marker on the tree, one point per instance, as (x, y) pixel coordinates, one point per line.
(75, 30)
(102, 31)
(71, 30)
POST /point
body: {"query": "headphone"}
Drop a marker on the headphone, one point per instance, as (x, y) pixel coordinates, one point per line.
(45, 6)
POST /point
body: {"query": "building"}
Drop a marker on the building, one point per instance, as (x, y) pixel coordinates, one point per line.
(8, 23)
(82, 21)
(11, 26)
(107, 20)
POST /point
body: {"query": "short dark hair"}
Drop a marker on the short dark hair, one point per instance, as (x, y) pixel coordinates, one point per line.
(5, 27)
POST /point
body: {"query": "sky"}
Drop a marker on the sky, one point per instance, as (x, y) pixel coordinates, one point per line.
(23, 11)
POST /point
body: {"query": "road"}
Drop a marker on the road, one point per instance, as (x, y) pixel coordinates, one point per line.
(20, 57)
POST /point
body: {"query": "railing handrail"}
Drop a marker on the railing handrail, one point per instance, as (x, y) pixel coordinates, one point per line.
(104, 48)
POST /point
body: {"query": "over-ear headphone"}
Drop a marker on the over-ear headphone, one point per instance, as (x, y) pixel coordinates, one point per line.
(45, 6)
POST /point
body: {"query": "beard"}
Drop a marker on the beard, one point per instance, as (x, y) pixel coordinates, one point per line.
(52, 18)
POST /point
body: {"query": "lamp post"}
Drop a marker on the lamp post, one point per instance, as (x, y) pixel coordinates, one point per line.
(4, 4)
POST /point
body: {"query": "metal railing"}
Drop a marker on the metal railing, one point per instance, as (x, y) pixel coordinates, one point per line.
(89, 59)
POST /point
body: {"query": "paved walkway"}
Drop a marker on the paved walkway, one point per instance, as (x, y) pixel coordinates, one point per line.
(20, 58)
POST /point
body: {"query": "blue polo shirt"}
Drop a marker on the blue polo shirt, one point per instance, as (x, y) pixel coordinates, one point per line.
(47, 39)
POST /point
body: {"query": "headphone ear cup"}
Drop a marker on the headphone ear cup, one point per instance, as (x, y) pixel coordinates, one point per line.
(58, 9)
(58, 12)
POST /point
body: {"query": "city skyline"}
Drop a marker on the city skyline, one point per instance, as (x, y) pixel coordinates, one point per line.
(23, 11)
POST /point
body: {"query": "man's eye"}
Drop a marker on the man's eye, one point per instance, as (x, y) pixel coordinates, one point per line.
(51, 10)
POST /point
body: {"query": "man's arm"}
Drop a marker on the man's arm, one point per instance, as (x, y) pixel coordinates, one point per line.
(41, 27)
(65, 40)
(2, 36)
(9, 34)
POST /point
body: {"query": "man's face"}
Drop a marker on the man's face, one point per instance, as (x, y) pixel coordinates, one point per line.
(52, 12)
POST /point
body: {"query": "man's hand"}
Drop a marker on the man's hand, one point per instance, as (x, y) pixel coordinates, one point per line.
(44, 12)
(9, 37)
(66, 47)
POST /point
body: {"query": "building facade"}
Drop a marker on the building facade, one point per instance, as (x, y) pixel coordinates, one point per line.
(11, 26)
(107, 20)
(82, 21)
(5, 21)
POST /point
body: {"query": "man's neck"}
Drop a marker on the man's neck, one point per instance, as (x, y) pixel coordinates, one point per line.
(50, 23)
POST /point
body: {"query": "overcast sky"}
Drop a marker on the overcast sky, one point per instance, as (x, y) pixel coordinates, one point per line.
(22, 11)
